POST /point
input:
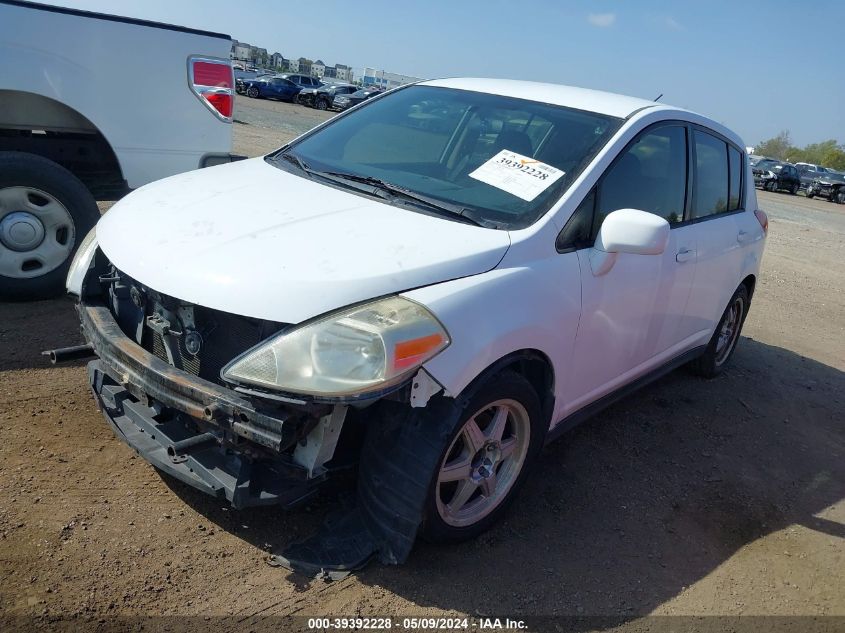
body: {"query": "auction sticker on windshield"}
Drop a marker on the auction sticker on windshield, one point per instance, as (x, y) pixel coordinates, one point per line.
(521, 176)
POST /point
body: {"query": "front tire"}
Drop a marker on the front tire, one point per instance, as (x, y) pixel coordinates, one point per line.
(253, 92)
(722, 344)
(45, 211)
(793, 189)
(771, 186)
(497, 437)
(322, 104)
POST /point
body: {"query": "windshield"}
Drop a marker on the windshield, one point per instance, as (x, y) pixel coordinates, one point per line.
(462, 148)
(768, 164)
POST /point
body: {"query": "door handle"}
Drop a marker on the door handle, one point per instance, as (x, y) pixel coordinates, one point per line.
(742, 237)
(684, 255)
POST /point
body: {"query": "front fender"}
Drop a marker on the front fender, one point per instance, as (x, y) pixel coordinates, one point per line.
(503, 311)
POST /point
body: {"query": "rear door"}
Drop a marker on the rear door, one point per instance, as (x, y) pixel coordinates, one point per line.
(718, 217)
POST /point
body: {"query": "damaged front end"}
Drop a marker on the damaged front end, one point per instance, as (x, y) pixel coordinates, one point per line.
(157, 380)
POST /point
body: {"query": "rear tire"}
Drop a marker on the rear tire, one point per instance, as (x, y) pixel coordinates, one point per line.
(496, 462)
(722, 344)
(47, 199)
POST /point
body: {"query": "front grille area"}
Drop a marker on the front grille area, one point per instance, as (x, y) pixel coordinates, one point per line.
(224, 335)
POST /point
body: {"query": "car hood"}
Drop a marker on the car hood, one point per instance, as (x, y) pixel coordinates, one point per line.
(251, 239)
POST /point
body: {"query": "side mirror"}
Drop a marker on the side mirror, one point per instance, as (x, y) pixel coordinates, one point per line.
(628, 231)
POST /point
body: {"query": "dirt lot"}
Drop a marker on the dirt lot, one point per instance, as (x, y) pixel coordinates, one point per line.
(693, 497)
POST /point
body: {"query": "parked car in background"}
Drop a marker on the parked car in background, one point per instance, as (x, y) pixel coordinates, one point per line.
(303, 81)
(808, 172)
(830, 185)
(484, 282)
(344, 102)
(68, 137)
(323, 97)
(275, 87)
(773, 175)
(242, 76)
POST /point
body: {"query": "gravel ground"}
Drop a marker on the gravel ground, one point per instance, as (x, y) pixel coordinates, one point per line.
(692, 497)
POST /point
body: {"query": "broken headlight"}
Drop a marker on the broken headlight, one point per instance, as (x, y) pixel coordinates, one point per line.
(351, 352)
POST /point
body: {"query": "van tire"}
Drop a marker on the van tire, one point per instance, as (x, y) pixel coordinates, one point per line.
(21, 169)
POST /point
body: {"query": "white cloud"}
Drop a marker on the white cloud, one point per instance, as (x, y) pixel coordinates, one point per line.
(602, 20)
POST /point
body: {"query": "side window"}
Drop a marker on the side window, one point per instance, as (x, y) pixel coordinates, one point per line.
(735, 165)
(650, 175)
(711, 175)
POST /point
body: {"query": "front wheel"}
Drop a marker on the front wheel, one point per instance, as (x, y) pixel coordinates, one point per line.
(839, 196)
(486, 459)
(794, 189)
(253, 92)
(722, 344)
(771, 186)
(322, 104)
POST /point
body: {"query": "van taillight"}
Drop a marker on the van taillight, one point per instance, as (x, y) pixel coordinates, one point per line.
(763, 219)
(213, 82)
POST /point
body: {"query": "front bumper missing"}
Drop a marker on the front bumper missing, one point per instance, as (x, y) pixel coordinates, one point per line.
(137, 391)
(184, 425)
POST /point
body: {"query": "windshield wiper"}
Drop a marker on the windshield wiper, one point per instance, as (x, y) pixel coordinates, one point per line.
(447, 208)
(294, 160)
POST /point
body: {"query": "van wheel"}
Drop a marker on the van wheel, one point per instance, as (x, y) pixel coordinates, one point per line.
(45, 211)
(722, 344)
(496, 438)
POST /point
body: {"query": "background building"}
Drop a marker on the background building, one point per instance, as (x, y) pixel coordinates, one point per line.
(384, 79)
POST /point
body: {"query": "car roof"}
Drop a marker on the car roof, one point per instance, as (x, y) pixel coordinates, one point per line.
(598, 101)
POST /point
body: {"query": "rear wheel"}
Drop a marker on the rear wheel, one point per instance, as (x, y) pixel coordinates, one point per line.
(723, 342)
(45, 211)
(486, 459)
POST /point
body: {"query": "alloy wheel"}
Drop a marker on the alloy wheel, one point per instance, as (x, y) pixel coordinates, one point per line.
(483, 462)
(729, 332)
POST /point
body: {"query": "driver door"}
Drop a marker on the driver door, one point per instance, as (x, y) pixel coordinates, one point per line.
(633, 316)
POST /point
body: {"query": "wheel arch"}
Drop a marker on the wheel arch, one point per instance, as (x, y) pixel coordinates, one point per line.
(40, 125)
(750, 282)
(534, 365)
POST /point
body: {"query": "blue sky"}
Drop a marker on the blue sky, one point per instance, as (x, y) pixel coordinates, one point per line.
(757, 66)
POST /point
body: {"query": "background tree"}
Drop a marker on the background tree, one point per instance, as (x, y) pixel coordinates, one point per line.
(827, 153)
(779, 147)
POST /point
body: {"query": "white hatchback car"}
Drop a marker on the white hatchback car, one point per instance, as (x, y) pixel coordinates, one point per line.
(429, 286)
